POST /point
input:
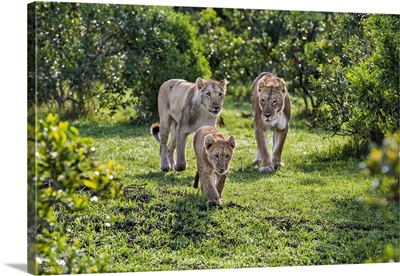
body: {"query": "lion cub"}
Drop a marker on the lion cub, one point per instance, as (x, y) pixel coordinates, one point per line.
(213, 155)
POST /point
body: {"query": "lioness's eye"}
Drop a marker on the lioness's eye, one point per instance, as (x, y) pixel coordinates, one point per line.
(263, 101)
(274, 102)
(227, 156)
(216, 156)
(220, 95)
(208, 94)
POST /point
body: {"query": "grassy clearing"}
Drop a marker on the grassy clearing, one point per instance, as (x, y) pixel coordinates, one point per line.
(307, 213)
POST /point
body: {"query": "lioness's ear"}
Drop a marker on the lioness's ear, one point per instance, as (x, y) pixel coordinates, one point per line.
(232, 141)
(200, 83)
(261, 85)
(282, 85)
(209, 140)
(223, 84)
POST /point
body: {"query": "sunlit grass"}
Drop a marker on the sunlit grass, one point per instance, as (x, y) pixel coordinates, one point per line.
(306, 213)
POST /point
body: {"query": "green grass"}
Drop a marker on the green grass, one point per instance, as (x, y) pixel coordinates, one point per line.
(306, 213)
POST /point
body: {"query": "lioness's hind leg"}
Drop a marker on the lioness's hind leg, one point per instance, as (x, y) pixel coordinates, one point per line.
(181, 140)
(172, 144)
(196, 180)
(165, 124)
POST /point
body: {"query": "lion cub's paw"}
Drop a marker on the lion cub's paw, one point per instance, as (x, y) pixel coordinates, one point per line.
(266, 169)
(256, 162)
(217, 201)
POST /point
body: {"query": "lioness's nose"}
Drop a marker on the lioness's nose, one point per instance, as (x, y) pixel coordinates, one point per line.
(216, 107)
(267, 115)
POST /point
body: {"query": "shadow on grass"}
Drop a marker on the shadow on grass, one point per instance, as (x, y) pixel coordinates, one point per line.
(164, 179)
(250, 173)
(343, 167)
(193, 218)
(166, 218)
(357, 233)
(122, 130)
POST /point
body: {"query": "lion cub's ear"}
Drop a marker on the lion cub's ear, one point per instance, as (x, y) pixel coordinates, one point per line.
(209, 140)
(200, 83)
(223, 84)
(232, 142)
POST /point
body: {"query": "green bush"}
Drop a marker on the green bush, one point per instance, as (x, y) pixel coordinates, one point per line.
(358, 92)
(98, 58)
(160, 44)
(243, 43)
(61, 166)
(383, 165)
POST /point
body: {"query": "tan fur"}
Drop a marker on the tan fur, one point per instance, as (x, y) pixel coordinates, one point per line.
(271, 106)
(213, 155)
(183, 107)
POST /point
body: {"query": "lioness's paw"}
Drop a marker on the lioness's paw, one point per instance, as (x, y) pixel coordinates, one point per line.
(166, 167)
(278, 164)
(180, 167)
(266, 169)
(256, 162)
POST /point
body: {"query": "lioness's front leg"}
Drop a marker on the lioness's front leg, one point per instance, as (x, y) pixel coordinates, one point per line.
(261, 138)
(279, 141)
(181, 140)
(208, 187)
(258, 159)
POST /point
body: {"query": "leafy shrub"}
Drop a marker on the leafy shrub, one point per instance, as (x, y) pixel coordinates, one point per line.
(358, 93)
(60, 163)
(160, 44)
(243, 43)
(104, 57)
(383, 165)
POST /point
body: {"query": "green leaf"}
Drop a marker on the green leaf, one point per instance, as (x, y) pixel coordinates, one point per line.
(90, 184)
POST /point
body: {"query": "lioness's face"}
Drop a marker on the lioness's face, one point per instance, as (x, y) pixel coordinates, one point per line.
(271, 103)
(212, 95)
(219, 154)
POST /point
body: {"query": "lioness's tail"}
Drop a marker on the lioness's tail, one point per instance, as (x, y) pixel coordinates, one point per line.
(196, 180)
(155, 130)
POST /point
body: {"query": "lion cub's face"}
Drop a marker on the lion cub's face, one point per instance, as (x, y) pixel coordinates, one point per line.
(219, 152)
(271, 100)
(212, 94)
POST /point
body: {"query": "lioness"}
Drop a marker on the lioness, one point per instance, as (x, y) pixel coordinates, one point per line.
(183, 107)
(271, 106)
(213, 154)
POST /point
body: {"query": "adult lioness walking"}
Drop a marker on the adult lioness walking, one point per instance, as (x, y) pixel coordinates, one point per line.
(183, 107)
(271, 105)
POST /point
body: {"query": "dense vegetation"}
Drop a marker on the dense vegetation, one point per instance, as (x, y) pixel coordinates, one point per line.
(61, 163)
(100, 67)
(94, 58)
